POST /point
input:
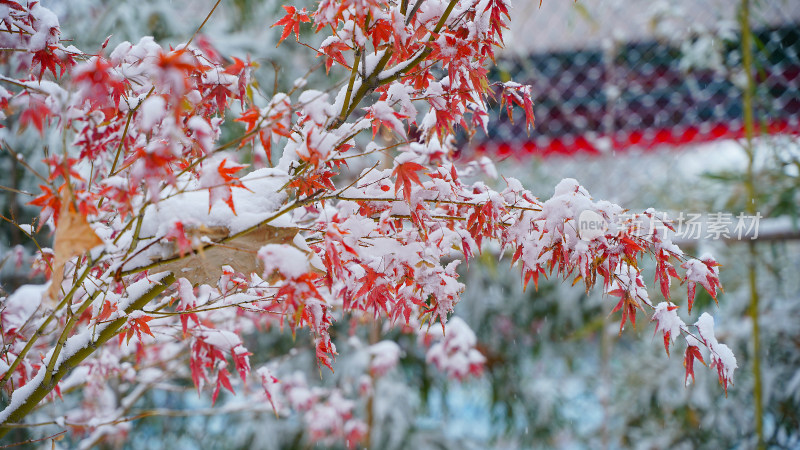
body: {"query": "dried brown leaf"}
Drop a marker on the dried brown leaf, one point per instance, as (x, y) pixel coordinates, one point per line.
(74, 237)
(205, 266)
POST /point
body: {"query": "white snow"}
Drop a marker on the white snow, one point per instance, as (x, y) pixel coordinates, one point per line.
(285, 259)
(21, 305)
(455, 354)
(254, 205)
(152, 111)
(385, 356)
(668, 321)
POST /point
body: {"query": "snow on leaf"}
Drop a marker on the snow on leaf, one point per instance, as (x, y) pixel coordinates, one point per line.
(703, 271)
(269, 383)
(385, 355)
(455, 354)
(668, 322)
(517, 94)
(382, 114)
(721, 356)
(333, 49)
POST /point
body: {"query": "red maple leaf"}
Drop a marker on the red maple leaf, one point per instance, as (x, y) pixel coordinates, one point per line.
(496, 21)
(225, 191)
(664, 270)
(251, 118)
(222, 380)
(137, 326)
(406, 174)
(667, 332)
(102, 82)
(376, 296)
(313, 182)
(36, 113)
(403, 307)
(628, 304)
(333, 51)
(709, 278)
(692, 353)
(236, 68)
(227, 170)
(531, 274)
(324, 352)
(178, 234)
(291, 22)
(105, 311)
(181, 60)
(63, 168)
(519, 95)
(220, 95)
(381, 31)
(47, 60)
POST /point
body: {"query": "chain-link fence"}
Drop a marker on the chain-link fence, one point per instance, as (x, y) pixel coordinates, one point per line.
(645, 74)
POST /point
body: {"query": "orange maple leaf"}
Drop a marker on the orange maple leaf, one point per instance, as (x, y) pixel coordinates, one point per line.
(74, 237)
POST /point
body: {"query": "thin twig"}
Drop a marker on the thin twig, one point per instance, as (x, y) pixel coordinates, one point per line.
(24, 164)
(31, 441)
(16, 191)
(204, 22)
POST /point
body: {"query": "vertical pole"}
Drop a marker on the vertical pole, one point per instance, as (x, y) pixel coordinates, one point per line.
(749, 127)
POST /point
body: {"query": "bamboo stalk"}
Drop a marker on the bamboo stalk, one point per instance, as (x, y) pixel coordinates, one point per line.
(749, 126)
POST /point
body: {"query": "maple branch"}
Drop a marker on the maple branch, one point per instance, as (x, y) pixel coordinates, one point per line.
(374, 81)
(136, 231)
(447, 202)
(22, 85)
(440, 217)
(31, 441)
(16, 191)
(125, 135)
(204, 22)
(414, 9)
(369, 85)
(382, 149)
(38, 390)
(74, 317)
(353, 73)
(24, 164)
(158, 412)
(28, 235)
(752, 196)
(40, 331)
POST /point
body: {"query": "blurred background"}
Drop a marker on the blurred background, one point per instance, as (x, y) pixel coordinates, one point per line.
(643, 102)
